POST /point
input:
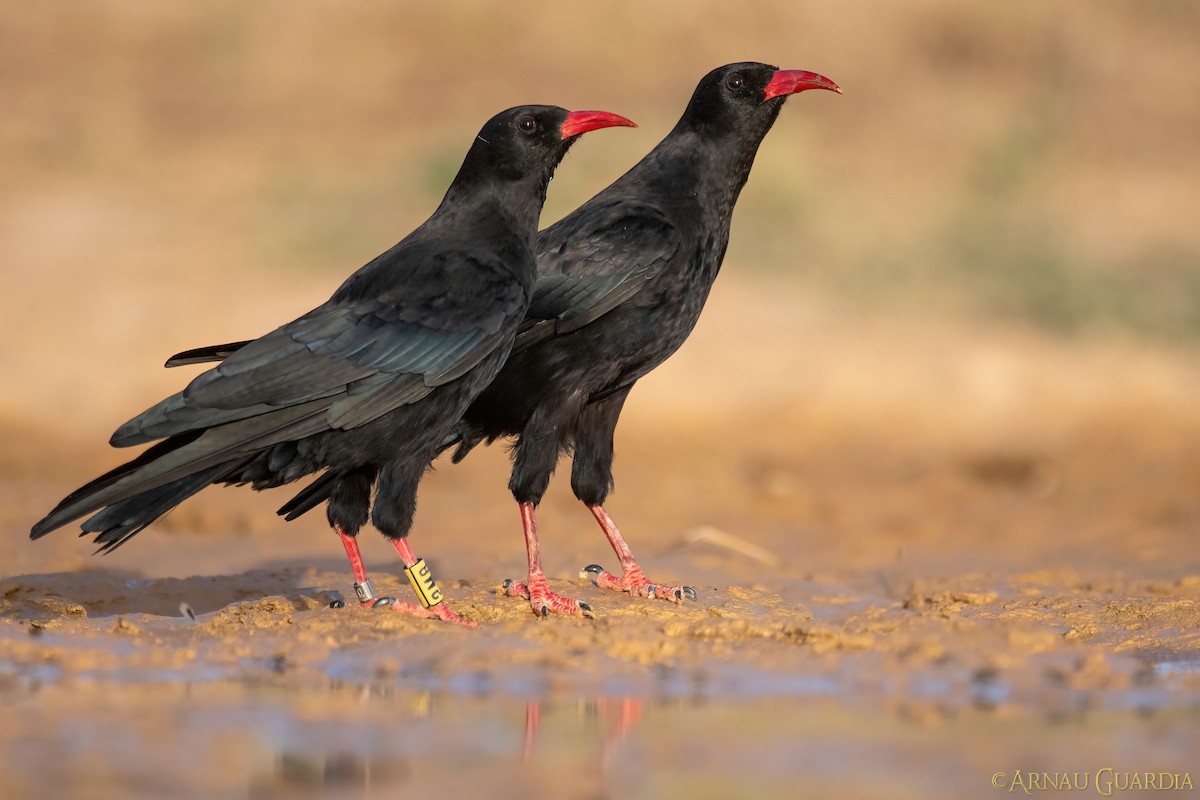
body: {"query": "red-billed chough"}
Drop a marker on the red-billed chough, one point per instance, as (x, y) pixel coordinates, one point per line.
(621, 282)
(367, 385)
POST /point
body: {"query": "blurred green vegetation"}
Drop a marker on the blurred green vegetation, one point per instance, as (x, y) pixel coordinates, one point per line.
(1027, 162)
(999, 254)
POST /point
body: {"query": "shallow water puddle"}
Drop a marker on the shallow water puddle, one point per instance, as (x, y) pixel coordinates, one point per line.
(224, 739)
(796, 688)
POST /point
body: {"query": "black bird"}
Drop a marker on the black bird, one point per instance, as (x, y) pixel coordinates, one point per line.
(368, 384)
(621, 282)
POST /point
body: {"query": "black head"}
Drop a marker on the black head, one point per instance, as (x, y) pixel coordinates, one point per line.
(746, 98)
(526, 143)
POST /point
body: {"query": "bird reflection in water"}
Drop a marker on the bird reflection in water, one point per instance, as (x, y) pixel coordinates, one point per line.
(339, 769)
(618, 716)
(300, 771)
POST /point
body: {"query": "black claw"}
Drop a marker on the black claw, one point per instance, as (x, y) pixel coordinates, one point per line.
(507, 583)
(337, 603)
(678, 594)
(595, 569)
(383, 602)
(545, 611)
(586, 610)
(689, 592)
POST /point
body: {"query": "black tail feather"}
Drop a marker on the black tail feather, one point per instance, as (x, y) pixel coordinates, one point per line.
(120, 522)
(203, 355)
(180, 457)
(310, 497)
(467, 439)
(54, 519)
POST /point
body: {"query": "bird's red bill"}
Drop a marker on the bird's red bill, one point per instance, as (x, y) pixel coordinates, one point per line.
(583, 121)
(791, 81)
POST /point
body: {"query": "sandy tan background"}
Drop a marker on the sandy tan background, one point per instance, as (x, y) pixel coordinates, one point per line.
(941, 412)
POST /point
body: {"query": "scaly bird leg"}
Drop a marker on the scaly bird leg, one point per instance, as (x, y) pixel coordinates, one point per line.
(432, 605)
(632, 580)
(536, 589)
(431, 596)
(363, 587)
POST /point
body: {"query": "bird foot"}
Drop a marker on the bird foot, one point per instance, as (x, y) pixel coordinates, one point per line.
(543, 601)
(439, 612)
(372, 600)
(634, 582)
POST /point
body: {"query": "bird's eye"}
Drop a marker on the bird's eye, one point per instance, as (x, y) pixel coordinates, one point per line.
(527, 125)
(734, 81)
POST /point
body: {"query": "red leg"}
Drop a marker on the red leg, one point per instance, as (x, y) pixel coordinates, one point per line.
(367, 596)
(426, 589)
(632, 580)
(536, 589)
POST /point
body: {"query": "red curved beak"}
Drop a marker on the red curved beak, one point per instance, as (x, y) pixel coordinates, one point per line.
(791, 81)
(583, 121)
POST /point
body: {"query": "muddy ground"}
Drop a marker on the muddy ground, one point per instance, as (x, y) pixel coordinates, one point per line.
(925, 553)
(934, 556)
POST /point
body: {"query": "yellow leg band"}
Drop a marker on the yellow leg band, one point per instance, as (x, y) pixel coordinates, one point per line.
(423, 583)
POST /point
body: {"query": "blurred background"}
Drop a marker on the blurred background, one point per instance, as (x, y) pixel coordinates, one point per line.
(931, 453)
(983, 257)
